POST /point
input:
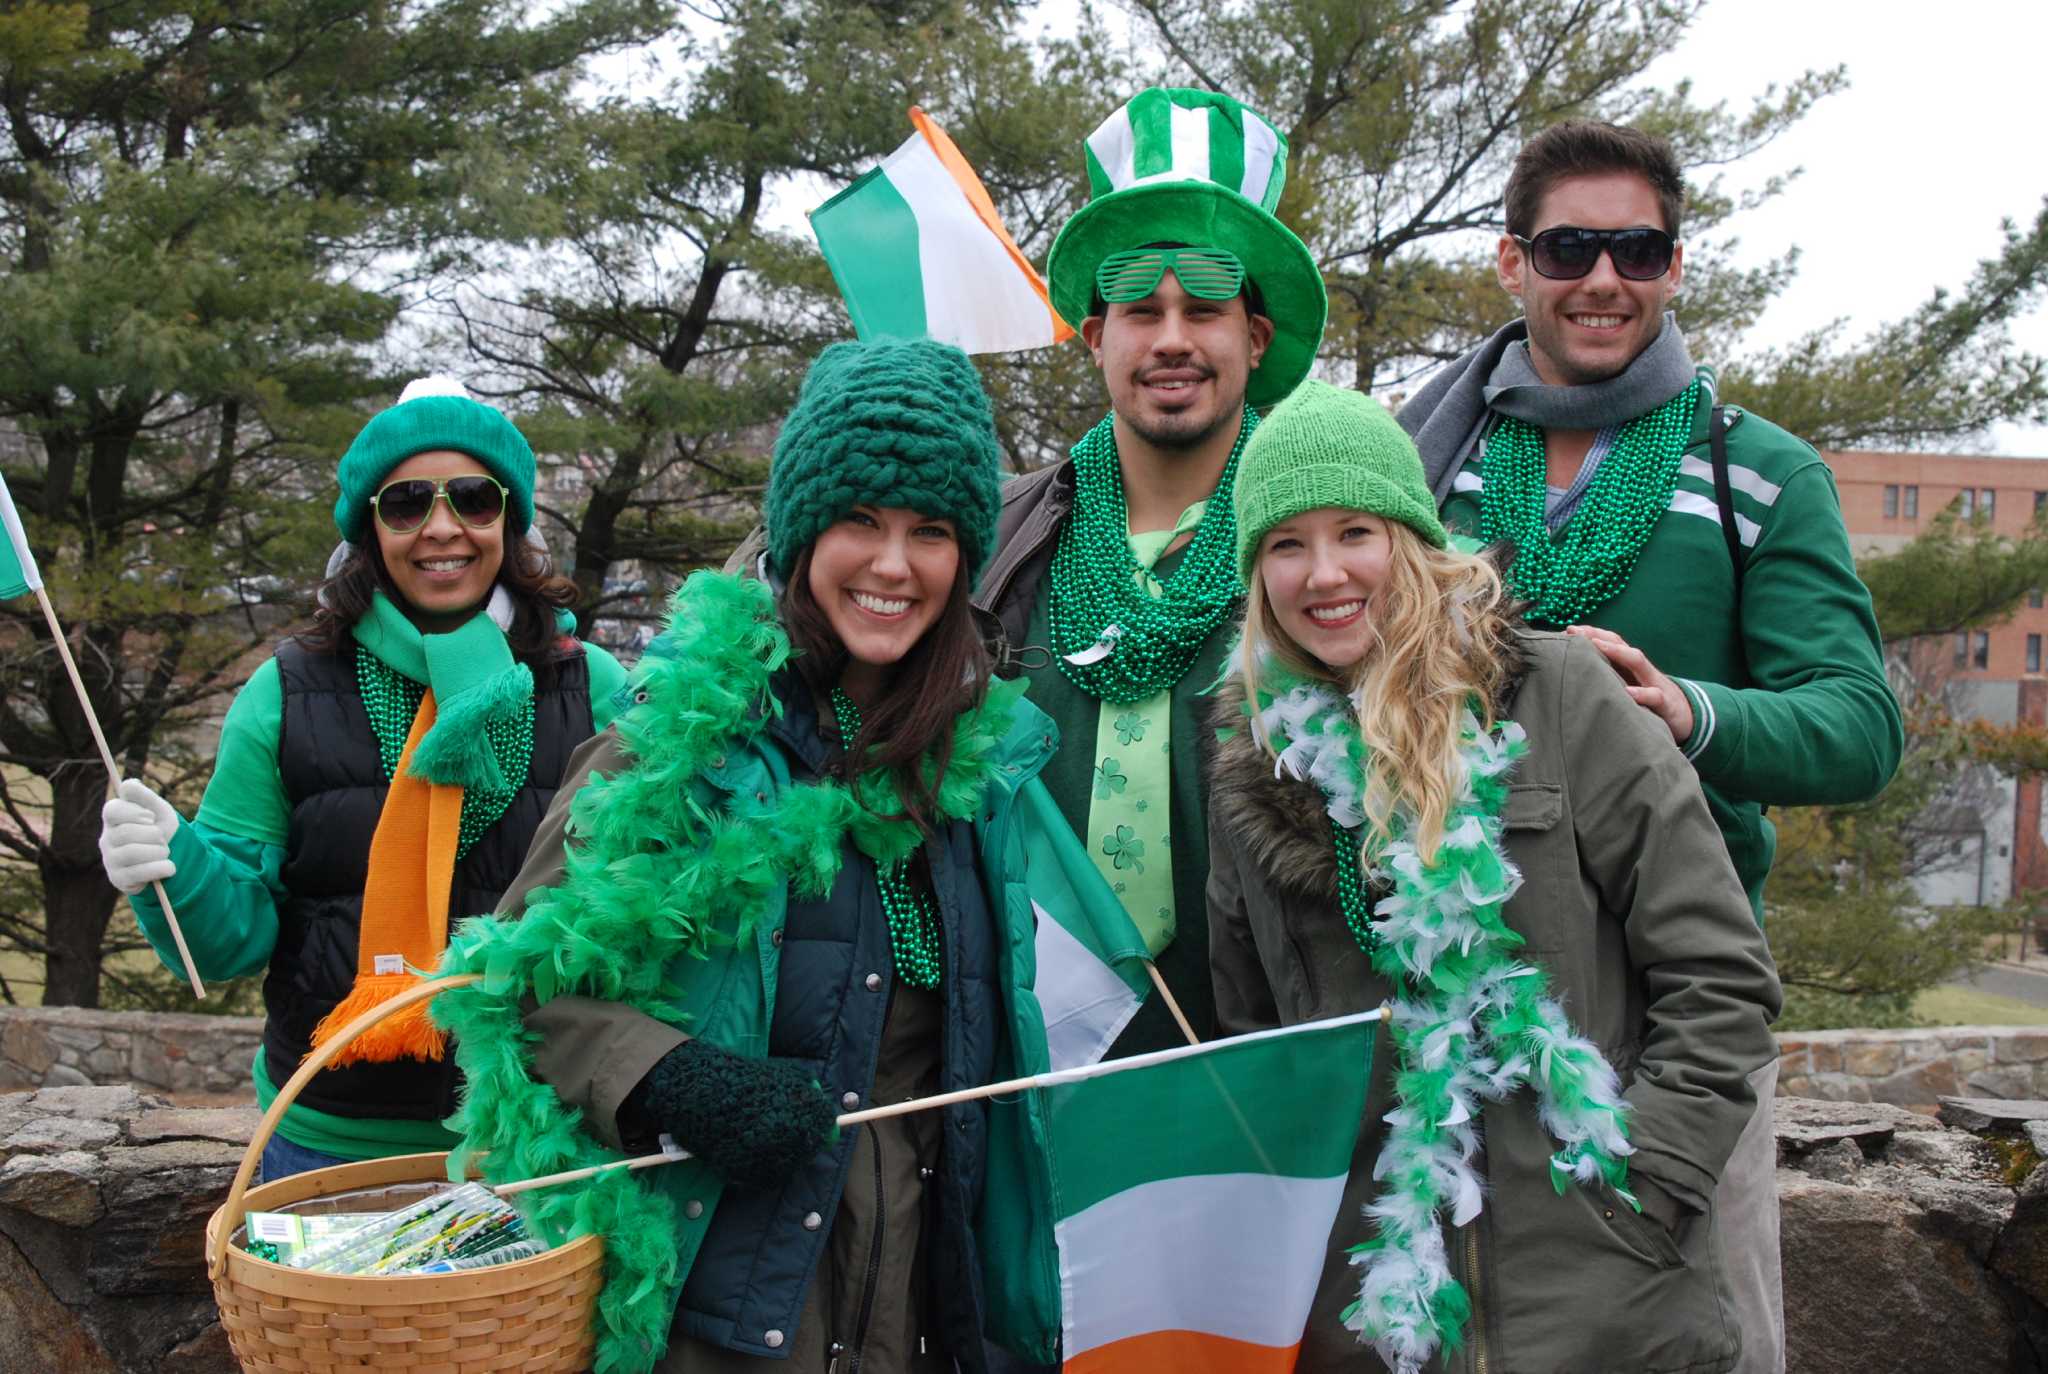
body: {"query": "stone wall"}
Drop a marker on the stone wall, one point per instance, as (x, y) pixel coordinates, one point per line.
(104, 1196)
(185, 1055)
(166, 1052)
(1914, 1068)
(1909, 1243)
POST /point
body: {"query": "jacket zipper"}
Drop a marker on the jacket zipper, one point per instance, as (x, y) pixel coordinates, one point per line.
(1477, 1318)
(874, 1275)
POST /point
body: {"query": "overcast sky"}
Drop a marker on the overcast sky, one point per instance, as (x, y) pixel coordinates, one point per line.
(1908, 172)
(1942, 132)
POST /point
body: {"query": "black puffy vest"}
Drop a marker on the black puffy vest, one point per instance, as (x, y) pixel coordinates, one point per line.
(333, 781)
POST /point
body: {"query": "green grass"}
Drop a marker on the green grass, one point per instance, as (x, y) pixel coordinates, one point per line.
(1961, 1006)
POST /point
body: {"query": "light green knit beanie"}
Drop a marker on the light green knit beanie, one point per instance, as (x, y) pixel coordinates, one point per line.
(1329, 446)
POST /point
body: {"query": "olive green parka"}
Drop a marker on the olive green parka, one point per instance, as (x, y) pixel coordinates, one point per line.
(1630, 904)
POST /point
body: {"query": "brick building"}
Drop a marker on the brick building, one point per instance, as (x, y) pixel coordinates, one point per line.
(1887, 498)
(2001, 673)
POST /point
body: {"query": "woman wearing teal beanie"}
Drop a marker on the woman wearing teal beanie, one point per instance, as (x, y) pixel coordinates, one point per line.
(1419, 801)
(381, 776)
(791, 885)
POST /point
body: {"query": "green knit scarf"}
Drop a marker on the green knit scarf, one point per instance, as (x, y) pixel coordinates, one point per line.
(477, 686)
(653, 876)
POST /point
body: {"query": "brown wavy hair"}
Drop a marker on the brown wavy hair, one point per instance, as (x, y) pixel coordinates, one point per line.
(527, 575)
(945, 673)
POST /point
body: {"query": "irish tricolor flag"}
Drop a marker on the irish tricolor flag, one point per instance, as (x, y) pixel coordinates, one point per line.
(18, 574)
(1090, 978)
(919, 252)
(1196, 1191)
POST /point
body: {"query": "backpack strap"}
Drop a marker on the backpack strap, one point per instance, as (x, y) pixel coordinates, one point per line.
(1724, 496)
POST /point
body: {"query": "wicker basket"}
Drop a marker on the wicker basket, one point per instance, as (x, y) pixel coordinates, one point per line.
(531, 1315)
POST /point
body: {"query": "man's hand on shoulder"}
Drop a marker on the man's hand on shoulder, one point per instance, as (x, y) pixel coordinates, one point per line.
(1652, 690)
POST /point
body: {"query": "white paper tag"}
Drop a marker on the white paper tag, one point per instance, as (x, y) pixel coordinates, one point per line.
(279, 1228)
(390, 963)
(1103, 647)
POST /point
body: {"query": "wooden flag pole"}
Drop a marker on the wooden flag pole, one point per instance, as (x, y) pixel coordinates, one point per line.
(915, 1104)
(571, 1175)
(1179, 1017)
(113, 773)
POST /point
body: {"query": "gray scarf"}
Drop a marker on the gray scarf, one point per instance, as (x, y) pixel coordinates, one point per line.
(1447, 416)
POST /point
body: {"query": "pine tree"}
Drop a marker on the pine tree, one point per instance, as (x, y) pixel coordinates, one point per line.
(195, 201)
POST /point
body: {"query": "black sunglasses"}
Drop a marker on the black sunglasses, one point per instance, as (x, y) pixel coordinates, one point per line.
(405, 505)
(1568, 253)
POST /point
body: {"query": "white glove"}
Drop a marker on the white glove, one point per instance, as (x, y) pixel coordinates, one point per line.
(135, 837)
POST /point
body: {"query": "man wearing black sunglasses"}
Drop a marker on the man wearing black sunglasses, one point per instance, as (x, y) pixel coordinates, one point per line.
(1698, 548)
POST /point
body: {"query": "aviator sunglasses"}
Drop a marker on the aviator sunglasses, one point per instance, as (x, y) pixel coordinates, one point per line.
(403, 506)
(1568, 253)
(1214, 274)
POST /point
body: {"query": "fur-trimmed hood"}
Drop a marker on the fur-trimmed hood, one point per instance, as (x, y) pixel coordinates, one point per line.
(1279, 821)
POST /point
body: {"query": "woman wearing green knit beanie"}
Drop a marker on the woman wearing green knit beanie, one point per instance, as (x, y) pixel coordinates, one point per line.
(788, 884)
(1416, 800)
(433, 684)
(900, 423)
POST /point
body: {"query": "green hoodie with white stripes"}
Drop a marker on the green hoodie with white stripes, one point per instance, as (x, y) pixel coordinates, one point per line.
(1789, 699)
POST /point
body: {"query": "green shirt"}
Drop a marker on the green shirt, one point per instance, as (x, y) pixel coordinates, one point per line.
(1072, 777)
(1787, 684)
(228, 887)
(1130, 827)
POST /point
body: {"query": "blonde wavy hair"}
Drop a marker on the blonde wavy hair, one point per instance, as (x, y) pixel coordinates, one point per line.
(1438, 627)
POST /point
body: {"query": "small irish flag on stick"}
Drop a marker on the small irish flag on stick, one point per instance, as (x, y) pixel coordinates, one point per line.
(1196, 1192)
(18, 576)
(919, 253)
(1091, 976)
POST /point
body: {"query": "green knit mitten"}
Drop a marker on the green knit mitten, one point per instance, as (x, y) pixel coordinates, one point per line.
(756, 1121)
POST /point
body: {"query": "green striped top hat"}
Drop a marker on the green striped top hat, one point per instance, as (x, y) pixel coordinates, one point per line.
(1187, 166)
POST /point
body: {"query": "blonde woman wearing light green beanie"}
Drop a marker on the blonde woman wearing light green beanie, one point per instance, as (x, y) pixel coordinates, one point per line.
(1417, 800)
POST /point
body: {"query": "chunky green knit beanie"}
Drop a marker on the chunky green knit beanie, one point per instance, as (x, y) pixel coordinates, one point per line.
(1329, 446)
(432, 413)
(895, 423)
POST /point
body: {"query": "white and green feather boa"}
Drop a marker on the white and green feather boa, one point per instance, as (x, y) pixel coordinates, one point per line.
(1475, 1024)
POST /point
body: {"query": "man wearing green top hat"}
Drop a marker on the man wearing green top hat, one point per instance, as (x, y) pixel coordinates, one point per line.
(1198, 305)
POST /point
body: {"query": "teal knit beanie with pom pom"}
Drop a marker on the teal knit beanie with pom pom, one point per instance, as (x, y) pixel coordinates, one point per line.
(432, 413)
(893, 423)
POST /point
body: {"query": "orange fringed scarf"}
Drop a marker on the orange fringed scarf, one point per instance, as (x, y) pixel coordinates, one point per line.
(405, 911)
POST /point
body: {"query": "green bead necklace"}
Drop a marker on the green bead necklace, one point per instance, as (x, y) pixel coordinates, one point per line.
(913, 923)
(1564, 580)
(391, 700)
(1353, 893)
(1131, 645)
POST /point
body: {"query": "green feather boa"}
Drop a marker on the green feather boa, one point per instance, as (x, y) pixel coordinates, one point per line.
(655, 874)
